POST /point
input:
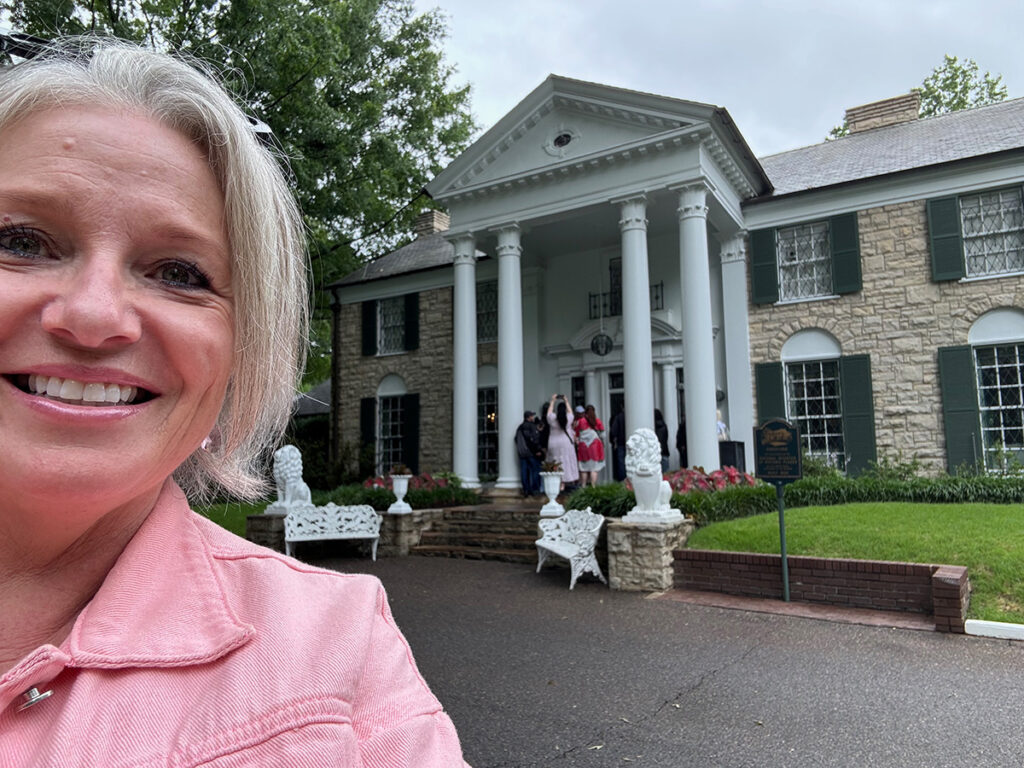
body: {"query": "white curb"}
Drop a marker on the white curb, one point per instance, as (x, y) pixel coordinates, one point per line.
(995, 629)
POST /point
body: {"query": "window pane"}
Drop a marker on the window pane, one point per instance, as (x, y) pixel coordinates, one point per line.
(389, 433)
(391, 319)
(813, 403)
(1000, 402)
(805, 261)
(487, 311)
(992, 224)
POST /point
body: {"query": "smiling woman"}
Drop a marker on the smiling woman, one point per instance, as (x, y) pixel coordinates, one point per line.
(152, 300)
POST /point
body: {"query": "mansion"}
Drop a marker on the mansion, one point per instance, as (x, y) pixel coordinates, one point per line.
(630, 251)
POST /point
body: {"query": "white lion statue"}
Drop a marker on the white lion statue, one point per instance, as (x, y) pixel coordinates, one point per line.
(643, 467)
(288, 476)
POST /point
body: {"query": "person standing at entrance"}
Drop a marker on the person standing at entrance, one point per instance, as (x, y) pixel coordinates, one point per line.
(590, 447)
(617, 433)
(530, 453)
(561, 446)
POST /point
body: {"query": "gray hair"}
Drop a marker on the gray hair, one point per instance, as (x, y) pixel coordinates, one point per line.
(263, 224)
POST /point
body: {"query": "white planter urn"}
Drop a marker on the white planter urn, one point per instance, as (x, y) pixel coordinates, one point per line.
(399, 487)
(551, 481)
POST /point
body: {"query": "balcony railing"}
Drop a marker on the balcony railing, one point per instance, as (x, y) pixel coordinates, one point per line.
(610, 304)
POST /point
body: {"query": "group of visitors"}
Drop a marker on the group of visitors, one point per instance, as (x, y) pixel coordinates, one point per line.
(570, 437)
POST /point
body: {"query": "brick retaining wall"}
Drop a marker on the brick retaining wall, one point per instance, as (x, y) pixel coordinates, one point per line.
(941, 591)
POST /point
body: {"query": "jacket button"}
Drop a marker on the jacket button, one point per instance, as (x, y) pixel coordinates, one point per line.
(33, 696)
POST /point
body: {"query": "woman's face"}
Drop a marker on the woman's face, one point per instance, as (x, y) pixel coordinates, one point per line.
(116, 312)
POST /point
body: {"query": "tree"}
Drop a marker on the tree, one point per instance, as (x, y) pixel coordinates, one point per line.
(356, 93)
(952, 86)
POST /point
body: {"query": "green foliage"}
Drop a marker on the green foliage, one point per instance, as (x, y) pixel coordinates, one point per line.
(703, 506)
(956, 85)
(952, 86)
(382, 498)
(232, 514)
(944, 489)
(356, 93)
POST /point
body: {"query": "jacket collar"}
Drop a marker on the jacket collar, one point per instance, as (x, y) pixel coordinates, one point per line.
(162, 604)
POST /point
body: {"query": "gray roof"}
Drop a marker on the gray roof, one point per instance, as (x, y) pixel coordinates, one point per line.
(422, 253)
(902, 147)
(314, 402)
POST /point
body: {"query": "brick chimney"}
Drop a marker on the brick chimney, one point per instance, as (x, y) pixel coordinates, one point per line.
(898, 109)
(430, 223)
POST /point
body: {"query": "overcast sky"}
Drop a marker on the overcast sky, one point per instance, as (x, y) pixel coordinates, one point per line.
(786, 71)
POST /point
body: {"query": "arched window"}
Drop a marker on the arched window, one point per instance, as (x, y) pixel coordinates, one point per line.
(390, 422)
(813, 393)
(997, 344)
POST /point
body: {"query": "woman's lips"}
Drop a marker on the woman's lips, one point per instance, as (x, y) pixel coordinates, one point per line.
(78, 392)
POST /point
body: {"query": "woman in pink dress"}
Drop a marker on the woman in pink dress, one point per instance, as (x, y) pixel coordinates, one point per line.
(590, 447)
(561, 446)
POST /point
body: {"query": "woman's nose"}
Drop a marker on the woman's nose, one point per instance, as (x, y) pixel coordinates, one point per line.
(93, 307)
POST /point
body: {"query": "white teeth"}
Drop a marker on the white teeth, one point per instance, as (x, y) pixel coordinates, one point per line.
(94, 392)
(72, 390)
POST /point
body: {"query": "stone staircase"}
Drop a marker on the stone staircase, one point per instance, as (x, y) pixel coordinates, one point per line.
(503, 530)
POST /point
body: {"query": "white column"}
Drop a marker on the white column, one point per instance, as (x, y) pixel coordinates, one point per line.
(464, 385)
(698, 348)
(510, 354)
(670, 410)
(590, 392)
(737, 344)
(636, 316)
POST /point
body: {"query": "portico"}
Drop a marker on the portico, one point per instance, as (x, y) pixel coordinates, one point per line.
(623, 210)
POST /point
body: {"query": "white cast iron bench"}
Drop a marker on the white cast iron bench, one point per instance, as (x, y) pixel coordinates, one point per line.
(572, 536)
(308, 523)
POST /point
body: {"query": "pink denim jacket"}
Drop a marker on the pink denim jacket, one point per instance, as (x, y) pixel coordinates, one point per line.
(201, 649)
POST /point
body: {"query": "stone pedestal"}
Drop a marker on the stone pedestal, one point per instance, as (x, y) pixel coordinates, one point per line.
(267, 530)
(640, 554)
(399, 533)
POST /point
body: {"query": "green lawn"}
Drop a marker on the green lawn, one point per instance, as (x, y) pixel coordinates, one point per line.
(987, 538)
(232, 514)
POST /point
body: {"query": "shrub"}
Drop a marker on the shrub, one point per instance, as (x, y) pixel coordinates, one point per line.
(426, 491)
(723, 494)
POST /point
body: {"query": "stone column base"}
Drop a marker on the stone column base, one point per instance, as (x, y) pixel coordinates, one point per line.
(640, 554)
(267, 530)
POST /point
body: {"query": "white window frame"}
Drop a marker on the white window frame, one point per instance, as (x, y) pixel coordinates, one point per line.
(1000, 375)
(992, 229)
(803, 257)
(391, 325)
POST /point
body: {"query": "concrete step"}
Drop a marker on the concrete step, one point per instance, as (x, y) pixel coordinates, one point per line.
(477, 553)
(479, 538)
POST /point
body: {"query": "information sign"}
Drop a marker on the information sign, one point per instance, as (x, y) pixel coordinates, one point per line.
(777, 452)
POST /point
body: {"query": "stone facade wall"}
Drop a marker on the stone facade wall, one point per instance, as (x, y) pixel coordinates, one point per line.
(900, 318)
(426, 371)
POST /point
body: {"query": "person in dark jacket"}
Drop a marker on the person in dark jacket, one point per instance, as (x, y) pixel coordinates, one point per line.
(661, 430)
(617, 435)
(530, 453)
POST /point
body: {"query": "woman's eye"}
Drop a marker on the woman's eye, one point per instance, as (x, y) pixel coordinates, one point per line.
(182, 274)
(23, 242)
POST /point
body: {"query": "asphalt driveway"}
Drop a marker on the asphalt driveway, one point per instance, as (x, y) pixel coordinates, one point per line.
(534, 676)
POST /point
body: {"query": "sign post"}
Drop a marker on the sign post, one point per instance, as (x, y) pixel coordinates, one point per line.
(777, 461)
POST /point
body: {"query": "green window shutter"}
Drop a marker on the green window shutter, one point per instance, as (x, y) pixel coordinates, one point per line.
(959, 386)
(944, 239)
(844, 241)
(412, 321)
(858, 412)
(770, 390)
(369, 328)
(367, 436)
(411, 432)
(764, 272)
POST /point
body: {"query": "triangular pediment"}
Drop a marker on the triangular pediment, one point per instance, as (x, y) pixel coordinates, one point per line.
(566, 121)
